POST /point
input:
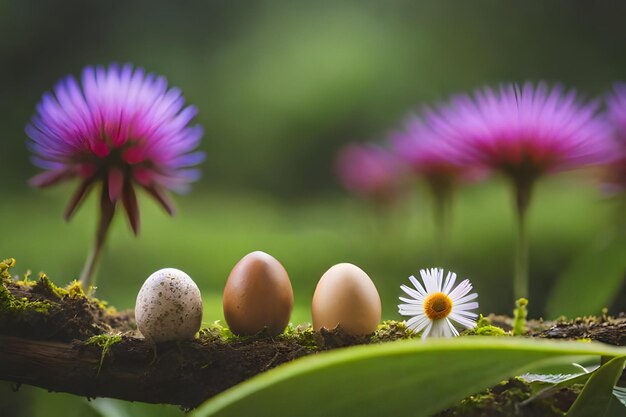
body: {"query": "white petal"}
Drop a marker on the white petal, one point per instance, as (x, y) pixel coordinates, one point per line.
(450, 330)
(445, 329)
(465, 313)
(465, 307)
(440, 329)
(415, 320)
(455, 332)
(410, 291)
(410, 312)
(439, 279)
(417, 324)
(465, 299)
(417, 285)
(427, 331)
(436, 330)
(430, 281)
(463, 321)
(450, 279)
(412, 300)
(461, 290)
(411, 307)
(421, 326)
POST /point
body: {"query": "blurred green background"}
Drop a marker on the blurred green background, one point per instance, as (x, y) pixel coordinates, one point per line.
(280, 87)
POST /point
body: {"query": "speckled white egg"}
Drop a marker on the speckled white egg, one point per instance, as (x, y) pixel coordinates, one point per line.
(169, 307)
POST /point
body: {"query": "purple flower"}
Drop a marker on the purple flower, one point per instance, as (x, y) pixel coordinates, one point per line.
(120, 127)
(432, 157)
(614, 179)
(523, 132)
(370, 171)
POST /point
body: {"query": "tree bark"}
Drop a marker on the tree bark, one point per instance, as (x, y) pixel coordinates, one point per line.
(184, 374)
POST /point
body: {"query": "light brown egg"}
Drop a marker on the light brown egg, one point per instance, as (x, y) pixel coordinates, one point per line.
(347, 297)
(258, 295)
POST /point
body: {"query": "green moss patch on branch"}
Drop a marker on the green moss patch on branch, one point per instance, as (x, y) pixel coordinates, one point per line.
(104, 341)
(39, 309)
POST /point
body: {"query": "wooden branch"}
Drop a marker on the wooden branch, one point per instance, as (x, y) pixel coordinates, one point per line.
(184, 374)
(49, 335)
(45, 333)
(188, 373)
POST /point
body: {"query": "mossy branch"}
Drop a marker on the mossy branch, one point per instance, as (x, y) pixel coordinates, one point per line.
(64, 340)
(61, 339)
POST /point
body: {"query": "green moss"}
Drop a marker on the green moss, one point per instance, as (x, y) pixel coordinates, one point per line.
(216, 332)
(390, 330)
(512, 397)
(26, 281)
(15, 311)
(104, 342)
(5, 267)
(75, 290)
(104, 306)
(12, 307)
(491, 331)
(303, 335)
(485, 328)
(46, 287)
(502, 397)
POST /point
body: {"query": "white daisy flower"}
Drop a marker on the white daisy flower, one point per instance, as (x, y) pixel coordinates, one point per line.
(437, 302)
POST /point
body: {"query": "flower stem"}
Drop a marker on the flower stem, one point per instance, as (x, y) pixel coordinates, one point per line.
(523, 192)
(107, 210)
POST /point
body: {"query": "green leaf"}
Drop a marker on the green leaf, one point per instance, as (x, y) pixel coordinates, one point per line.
(597, 394)
(603, 266)
(542, 385)
(542, 389)
(400, 378)
(620, 394)
(548, 379)
(615, 409)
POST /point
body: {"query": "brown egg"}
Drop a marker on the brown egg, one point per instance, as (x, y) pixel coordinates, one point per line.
(347, 297)
(257, 295)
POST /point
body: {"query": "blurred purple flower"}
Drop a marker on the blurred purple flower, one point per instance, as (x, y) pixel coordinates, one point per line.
(614, 179)
(441, 165)
(434, 158)
(370, 171)
(120, 127)
(523, 132)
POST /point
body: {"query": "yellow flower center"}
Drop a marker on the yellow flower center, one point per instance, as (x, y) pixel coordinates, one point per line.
(437, 306)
